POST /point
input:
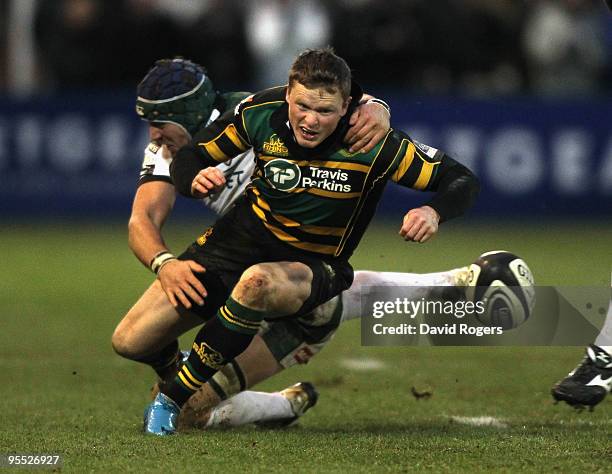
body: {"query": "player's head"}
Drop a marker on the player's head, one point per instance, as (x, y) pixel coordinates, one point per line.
(177, 93)
(318, 95)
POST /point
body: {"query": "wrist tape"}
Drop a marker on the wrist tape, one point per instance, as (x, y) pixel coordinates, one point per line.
(380, 102)
(160, 260)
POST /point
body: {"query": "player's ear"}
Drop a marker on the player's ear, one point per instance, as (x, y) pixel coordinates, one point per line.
(155, 132)
(345, 105)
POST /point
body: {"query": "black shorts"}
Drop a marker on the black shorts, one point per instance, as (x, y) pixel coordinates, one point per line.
(237, 241)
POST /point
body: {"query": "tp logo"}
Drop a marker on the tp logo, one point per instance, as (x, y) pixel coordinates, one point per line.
(282, 174)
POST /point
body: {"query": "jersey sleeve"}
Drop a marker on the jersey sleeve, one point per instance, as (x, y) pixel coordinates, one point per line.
(226, 137)
(238, 172)
(155, 166)
(426, 168)
(232, 99)
(220, 141)
(416, 164)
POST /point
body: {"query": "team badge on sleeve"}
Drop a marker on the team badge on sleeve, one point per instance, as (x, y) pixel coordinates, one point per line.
(154, 163)
(428, 150)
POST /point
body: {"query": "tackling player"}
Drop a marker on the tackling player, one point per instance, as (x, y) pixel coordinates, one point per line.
(301, 218)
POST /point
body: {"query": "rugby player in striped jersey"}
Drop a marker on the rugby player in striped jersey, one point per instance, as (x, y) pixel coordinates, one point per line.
(282, 250)
(174, 117)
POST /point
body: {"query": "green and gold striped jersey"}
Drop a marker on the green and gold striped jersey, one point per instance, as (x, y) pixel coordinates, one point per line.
(318, 200)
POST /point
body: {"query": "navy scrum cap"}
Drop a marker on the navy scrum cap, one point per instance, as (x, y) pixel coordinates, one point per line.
(176, 91)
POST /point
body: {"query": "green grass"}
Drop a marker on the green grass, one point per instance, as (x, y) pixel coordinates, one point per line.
(64, 288)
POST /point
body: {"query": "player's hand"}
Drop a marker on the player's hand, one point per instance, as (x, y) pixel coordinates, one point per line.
(420, 224)
(180, 283)
(369, 124)
(208, 181)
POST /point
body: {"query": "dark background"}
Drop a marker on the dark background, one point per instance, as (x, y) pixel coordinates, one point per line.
(519, 91)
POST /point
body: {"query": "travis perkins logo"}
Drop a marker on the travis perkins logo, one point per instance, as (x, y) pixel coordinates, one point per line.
(285, 176)
(275, 146)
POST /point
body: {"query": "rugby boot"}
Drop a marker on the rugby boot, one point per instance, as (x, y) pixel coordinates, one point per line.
(589, 383)
(459, 280)
(161, 416)
(461, 277)
(302, 396)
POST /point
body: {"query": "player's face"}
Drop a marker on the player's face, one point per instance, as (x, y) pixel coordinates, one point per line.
(314, 113)
(169, 134)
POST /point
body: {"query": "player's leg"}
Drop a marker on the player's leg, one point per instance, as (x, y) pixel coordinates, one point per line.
(215, 404)
(414, 285)
(148, 332)
(254, 365)
(266, 289)
(263, 290)
(288, 349)
(279, 288)
(279, 345)
(590, 382)
(604, 339)
(266, 410)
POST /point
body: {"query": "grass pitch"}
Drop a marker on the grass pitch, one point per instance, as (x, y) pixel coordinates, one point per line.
(64, 288)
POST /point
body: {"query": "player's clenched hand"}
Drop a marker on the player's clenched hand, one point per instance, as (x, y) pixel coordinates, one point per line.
(208, 181)
(369, 124)
(420, 224)
(179, 282)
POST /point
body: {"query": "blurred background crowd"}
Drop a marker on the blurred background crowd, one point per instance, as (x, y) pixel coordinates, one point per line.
(518, 90)
(474, 48)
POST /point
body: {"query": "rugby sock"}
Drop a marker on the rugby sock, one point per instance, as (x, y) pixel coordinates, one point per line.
(228, 381)
(414, 286)
(164, 362)
(604, 338)
(249, 407)
(219, 341)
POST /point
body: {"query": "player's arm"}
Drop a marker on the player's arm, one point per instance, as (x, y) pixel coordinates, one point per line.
(153, 203)
(369, 123)
(193, 168)
(428, 169)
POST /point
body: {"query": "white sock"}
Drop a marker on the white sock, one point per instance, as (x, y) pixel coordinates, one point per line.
(604, 338)
(416, 285)
(249, 407)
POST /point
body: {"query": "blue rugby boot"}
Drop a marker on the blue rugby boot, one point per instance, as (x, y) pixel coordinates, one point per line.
(161, 416)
